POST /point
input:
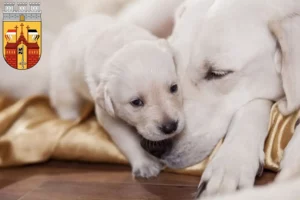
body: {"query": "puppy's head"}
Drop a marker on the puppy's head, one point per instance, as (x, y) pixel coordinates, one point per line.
(141, 87)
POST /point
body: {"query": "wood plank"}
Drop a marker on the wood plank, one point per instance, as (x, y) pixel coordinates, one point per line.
(87, 181)
(92, 172)
(59, 190)
(19, 188)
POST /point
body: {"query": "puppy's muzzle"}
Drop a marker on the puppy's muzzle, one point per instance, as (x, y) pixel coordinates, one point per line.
(157, 148)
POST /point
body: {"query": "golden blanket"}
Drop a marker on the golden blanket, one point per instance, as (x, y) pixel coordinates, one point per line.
(30, 132)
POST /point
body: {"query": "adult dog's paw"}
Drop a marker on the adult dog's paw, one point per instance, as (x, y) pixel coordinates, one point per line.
(290, 164)
(146, 168)
(226, 174)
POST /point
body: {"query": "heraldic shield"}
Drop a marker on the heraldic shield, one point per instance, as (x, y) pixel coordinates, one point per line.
(22, 34)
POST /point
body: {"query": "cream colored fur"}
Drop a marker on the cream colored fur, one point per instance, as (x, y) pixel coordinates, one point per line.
(235, 58)
(110, 63)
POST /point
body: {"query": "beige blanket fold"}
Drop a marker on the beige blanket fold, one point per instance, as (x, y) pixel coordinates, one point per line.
(31, 132)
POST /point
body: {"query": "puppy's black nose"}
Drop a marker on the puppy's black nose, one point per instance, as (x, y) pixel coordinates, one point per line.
(169, 127)
(157, 148)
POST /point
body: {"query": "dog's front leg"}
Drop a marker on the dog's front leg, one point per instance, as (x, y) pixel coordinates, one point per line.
(290, 165)
(241, 156)
(287, 190)
(287, 183)
(128, 141)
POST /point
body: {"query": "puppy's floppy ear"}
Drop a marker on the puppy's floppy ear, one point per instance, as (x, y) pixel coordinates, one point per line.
(103, 99)
(100, 94)
(287, 34)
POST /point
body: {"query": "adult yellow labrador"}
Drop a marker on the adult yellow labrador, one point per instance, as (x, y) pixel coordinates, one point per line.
(235, 58)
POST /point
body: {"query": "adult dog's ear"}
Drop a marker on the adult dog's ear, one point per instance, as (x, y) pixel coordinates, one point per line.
(103, 98)
(287, 34)
(165, 45)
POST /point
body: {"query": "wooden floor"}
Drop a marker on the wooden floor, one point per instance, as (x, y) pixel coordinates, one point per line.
(81, 181)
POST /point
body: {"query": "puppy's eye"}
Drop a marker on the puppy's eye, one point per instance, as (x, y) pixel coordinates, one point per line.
(137, 103)
(174, 88)
(216, 74)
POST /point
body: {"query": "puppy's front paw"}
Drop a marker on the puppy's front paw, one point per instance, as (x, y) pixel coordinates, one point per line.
(227, 174)
(146, 168)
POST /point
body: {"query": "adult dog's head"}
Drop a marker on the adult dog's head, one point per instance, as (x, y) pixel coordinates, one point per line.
(140, 86)
(230, 53)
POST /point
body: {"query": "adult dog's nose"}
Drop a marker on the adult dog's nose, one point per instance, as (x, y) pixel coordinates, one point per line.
(157, 148)
(169, 127)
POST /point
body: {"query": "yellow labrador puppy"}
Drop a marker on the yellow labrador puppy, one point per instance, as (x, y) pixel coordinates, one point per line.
(131, 77)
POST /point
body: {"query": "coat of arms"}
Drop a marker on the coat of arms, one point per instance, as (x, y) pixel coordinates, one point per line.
(22, 32)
